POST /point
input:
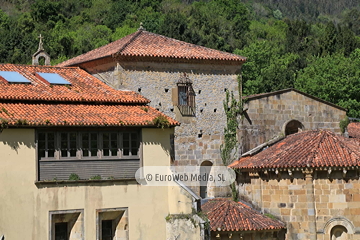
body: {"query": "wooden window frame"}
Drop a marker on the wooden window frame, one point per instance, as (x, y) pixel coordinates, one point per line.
(186, 106)
(46, 145)
(80, 148)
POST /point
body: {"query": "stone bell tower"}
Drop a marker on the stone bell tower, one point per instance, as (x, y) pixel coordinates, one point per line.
(40, 53)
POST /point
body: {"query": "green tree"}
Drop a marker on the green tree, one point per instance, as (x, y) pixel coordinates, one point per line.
(267, 68)
(335, 79)
(117, 13)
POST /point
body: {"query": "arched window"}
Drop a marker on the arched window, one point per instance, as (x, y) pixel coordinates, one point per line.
(293, 126)
(338, 233)
(339, 228)
(205, 168)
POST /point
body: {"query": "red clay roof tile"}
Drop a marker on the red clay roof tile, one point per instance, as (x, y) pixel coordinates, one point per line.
(84, 87)
(228, 215)
(87, 102)
(317, 148)
(354, 129)
(54, 114)
(143, 43)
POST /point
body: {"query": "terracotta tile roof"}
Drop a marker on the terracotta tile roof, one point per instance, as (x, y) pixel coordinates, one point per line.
(228, 215)
(354, 129)
(86, 102)
(241, 160)
(147, 44)
(53, 114)
(84, 87)
(317, 148)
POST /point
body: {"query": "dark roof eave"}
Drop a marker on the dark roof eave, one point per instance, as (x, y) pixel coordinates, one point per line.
(293, 168)
(123, 57)
(80, 63)
(30, 125)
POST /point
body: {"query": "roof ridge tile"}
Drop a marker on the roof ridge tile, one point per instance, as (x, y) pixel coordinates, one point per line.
(147, 44)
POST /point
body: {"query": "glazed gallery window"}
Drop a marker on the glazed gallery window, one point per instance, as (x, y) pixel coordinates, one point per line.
(87, 145)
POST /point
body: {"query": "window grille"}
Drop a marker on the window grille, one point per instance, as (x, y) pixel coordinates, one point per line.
(186, 96)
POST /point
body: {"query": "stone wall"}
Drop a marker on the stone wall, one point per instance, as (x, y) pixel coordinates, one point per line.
(267, 116)
(311, 203)
(184, 228)
(199, 137)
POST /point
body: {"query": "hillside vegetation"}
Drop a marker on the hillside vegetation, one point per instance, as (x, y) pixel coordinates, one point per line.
(313, 46)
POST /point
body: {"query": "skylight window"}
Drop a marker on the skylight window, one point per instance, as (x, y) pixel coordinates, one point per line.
(54, 78)
(14, 77)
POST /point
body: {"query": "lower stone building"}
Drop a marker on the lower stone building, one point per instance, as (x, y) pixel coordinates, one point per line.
(310, 180)
(280, 113)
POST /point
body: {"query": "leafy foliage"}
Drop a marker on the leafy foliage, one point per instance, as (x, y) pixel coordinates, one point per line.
(288, 44)
(334, 78)
(233, 108)
(344, 123)
(96, 177)
(161, 121)
(74, 177)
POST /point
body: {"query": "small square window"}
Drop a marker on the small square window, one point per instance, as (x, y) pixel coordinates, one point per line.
(65, 225)
(112, 224)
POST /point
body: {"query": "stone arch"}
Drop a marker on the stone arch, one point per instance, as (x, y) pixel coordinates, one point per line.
(205, 168)
(292, 126)
(40, 54)
(338, 233)
(339, 222)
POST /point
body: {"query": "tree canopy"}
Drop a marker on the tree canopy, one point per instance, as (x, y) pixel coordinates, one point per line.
(310, 45)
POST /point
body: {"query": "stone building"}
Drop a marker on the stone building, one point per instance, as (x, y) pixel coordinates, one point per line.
(237, 220)
(269, 116)
(70, 146)
(310, 180)
(189, 82)
(185, 81)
